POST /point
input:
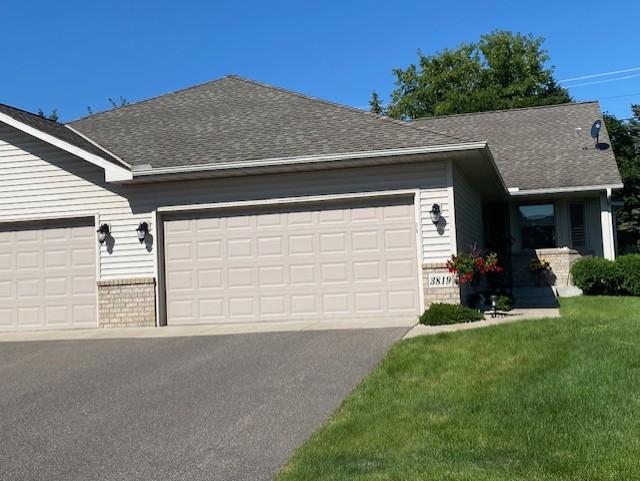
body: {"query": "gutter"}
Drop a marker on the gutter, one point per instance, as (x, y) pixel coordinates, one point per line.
(145, 170)
(515, 191)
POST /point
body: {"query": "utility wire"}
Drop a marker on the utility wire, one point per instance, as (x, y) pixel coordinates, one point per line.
(626, 77)
(603, 74)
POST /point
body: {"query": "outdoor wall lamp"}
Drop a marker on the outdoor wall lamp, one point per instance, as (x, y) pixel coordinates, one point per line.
(435, 213)
(142, 231)
(103, 231)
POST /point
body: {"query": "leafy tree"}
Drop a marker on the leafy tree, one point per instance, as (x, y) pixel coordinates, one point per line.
(501, 71)
(375, 104)
(122, 102)
(52, 116)
(625, 139)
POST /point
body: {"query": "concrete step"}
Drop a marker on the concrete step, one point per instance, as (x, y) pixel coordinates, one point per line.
(534, 297)
(568, 291)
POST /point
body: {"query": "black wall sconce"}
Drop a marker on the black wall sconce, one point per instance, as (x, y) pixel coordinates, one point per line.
(103, 231)
(142, 231)
(435, 213)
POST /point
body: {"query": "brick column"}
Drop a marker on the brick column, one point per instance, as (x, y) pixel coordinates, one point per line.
(127, 302)
(437, 291)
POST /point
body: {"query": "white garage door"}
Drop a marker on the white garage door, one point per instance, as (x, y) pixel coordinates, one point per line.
(47, 276)
(338, 261)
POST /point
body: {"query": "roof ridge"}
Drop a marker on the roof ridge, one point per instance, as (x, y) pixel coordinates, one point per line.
(485, 112)
(343, 106)
(155, 97)
(31, 113)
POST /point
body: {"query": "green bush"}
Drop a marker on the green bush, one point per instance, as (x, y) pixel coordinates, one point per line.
(629, 271)
(595, 275)
(504, 303)
(439, 314)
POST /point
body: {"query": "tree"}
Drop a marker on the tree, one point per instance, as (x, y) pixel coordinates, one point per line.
(625, 139)
(501, 71)
(122, 102)
(52, 116)
(375, 104)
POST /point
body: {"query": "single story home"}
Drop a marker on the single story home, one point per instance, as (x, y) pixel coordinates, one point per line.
(236, 201)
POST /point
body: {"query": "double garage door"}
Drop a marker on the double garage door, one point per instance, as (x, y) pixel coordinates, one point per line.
(327, 261)
(47, 275)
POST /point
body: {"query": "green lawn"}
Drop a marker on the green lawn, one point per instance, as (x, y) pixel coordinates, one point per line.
(553, 399)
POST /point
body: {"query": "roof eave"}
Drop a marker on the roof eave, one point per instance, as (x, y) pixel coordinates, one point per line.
(112, 172)
(295, 162)
(515, 192)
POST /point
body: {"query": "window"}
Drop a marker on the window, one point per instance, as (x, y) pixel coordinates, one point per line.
(538, 226)
(578, 231)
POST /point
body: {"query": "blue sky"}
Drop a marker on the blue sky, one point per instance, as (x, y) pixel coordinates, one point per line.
(73, 54)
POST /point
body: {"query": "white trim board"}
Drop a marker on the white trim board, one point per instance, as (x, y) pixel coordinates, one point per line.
(284, 161)
(112, 172)
(515, 191)
(286, 200)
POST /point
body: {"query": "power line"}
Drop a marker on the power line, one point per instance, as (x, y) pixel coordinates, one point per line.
(603, 74)
(620, 96)
(626, 77)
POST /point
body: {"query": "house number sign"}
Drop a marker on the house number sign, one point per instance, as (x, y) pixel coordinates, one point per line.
(440, 279)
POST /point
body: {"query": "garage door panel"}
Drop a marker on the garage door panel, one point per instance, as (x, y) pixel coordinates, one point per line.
(48, 275)
(343, 261)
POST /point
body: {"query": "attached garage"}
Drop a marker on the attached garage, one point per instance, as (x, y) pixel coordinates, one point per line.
(333, 260)
(48, 275)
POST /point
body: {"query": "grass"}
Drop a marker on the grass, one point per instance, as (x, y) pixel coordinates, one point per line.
(552, 399)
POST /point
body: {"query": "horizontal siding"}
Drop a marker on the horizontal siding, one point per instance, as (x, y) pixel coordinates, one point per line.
(468, 205)
(40, 181)
(436, 246)
(37, 181)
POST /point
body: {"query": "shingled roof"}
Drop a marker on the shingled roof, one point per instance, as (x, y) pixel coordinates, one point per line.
(233, 119)
(539, 147)
(57, 130)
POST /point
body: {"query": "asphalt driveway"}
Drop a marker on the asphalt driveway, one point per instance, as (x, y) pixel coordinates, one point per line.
(193, 408)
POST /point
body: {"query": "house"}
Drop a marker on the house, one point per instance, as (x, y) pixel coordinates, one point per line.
(235, 201)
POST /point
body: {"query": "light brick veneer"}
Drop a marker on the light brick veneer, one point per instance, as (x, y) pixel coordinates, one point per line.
(127, 303)
(449, 295)
(561, 259)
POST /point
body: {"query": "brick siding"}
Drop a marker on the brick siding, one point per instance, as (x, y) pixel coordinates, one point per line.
(127, 303)
(561, 260)
(448, 295)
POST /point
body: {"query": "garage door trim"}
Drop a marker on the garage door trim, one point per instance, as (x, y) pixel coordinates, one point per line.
(166, 212)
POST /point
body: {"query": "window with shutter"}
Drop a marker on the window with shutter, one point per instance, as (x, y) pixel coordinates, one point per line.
(578, 230)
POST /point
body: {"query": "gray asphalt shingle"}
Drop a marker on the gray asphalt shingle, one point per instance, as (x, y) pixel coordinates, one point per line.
(234, 119)
(55, 129)
(538, 147)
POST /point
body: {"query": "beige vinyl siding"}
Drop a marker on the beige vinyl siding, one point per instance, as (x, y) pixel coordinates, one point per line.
(468, 206)
(40, 181)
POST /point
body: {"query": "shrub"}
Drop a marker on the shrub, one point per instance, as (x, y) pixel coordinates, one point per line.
(439, 314)
(628, 267)
(596, 276)
(504, 303)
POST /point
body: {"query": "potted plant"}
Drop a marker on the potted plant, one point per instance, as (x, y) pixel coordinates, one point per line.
(470, 266)
(542, 268)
